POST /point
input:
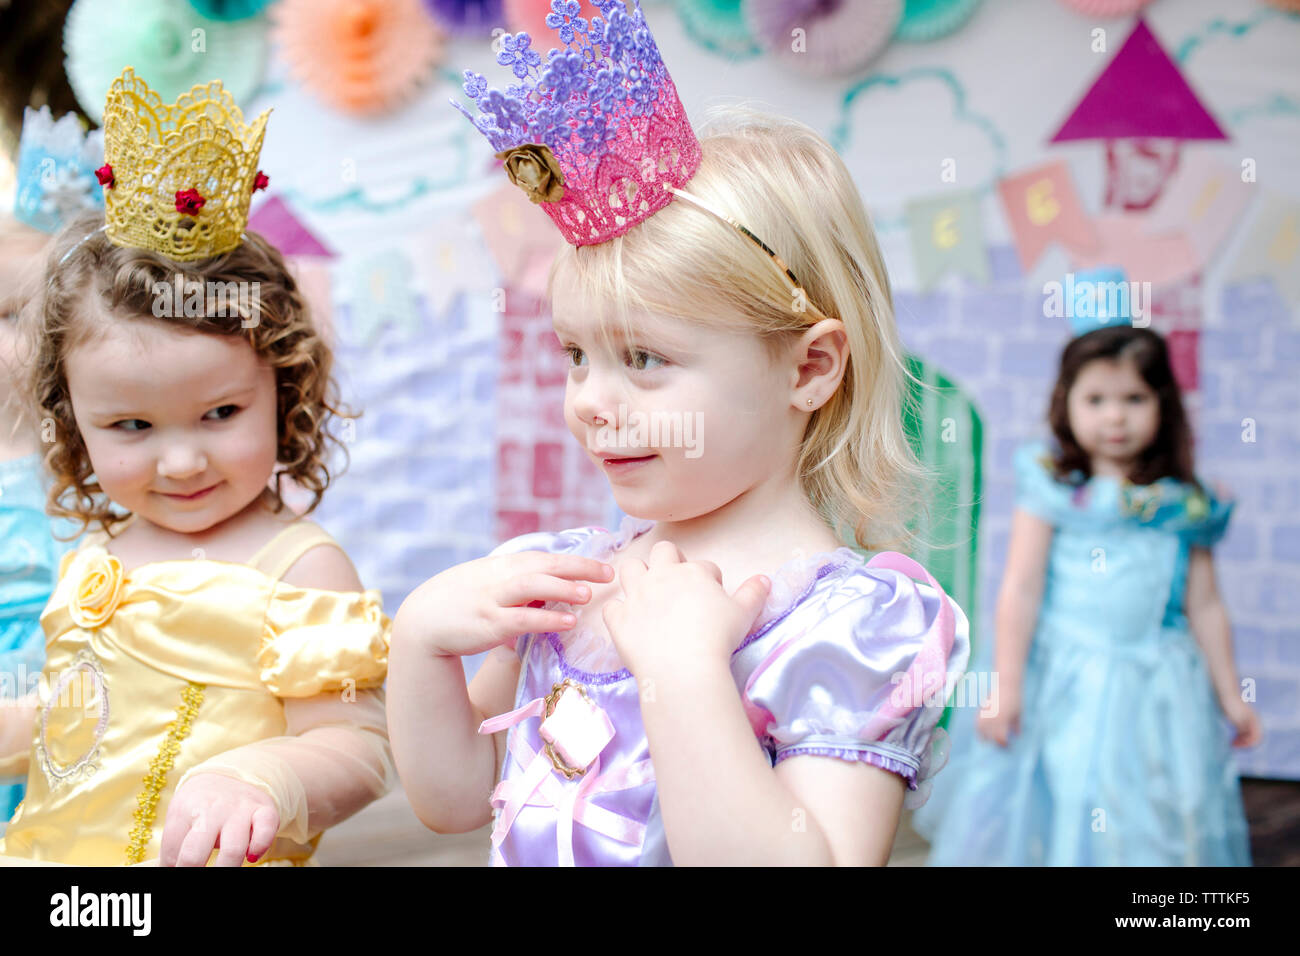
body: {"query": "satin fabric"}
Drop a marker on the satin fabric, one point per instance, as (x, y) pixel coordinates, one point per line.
(821, 655)
(1123, 757)
(29, 561)
(243, 639)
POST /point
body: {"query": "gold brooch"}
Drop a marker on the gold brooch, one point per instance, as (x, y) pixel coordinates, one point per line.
(574, 729)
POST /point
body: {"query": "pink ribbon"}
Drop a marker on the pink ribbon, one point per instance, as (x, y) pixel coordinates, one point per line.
(930, 662)
(540, 786)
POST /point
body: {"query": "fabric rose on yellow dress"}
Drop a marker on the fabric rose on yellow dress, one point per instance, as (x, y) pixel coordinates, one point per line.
(98, 593)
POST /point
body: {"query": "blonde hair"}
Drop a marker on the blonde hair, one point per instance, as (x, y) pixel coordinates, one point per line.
(85, 264)
(784, 182)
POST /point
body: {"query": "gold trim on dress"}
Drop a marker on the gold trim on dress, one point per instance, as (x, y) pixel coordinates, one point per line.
(548, 708)
(154, 782)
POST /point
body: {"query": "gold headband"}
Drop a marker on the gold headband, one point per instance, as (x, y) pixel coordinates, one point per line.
(775, 259)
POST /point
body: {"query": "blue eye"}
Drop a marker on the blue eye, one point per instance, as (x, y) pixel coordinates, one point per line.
(644, 361)
(222, 413)
(129, 425)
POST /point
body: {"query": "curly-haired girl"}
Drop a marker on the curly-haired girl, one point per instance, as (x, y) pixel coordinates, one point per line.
(214, 664)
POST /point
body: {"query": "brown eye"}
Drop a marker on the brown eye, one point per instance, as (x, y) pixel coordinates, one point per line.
(644, 361)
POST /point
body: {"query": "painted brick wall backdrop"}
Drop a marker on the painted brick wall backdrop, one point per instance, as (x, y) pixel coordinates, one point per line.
(447, 351)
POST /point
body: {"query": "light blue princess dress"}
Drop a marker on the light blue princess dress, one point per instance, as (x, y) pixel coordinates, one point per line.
(29, 564)
(1123, 756)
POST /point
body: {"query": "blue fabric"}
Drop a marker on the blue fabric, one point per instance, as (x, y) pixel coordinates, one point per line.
(1123, 757)
(29, 565)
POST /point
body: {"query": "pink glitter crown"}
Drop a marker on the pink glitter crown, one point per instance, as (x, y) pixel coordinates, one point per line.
(603, 109)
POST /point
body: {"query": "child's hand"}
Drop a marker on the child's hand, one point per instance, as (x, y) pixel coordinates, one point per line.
(675, 612)
(999, 718)
(481, 604)
(1244, 718)
(215, 811)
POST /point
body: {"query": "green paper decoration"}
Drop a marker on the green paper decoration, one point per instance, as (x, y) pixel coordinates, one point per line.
(931, 19)
(170, 45)
(946, 433)
(718, 26)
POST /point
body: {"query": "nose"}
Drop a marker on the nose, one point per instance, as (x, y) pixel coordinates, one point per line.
(181, 460)
(595, 398)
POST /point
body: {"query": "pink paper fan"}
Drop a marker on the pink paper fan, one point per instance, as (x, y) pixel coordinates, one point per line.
(361, 56)
(1107, 8)
(824, 37)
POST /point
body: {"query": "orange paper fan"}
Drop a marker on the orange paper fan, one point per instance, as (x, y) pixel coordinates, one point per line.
(362, 56)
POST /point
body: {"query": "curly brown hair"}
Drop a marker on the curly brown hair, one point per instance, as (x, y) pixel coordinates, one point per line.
(1170, 453)
(84, 262)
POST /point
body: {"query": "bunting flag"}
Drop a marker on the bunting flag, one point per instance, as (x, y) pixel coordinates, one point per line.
(1122, 240)
(1204, 202)
(1272, 247)
(1042, 207)
(519, 236)
(947, 236)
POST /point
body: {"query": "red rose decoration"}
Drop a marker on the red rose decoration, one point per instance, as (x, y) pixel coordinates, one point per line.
(260, 181)
(105, 176)
(189, 202)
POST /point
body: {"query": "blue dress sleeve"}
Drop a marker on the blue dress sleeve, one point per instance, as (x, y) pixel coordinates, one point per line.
(1037, 490)
(864, 675)
(1208, 517)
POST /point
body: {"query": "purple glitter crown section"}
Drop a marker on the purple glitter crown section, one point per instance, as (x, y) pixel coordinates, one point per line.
(607, 109)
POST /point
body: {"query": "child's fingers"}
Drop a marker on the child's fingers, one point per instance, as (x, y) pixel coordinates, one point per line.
(266, 823)
(198, 843)
(233, 842)
(514, 621)
(752, 595)
(665, 552)
(175, 828)
(612, 612)
(569, 566)
(713, 570)
(526, 588)
(631, 571)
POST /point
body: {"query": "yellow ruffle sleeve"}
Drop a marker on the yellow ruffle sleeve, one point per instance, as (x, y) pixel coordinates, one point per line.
(321, 641)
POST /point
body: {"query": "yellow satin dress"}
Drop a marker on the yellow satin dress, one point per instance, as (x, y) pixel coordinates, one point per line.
(155, 671)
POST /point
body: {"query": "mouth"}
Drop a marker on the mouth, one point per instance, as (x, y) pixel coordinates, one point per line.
(618, 464)
(193, 496)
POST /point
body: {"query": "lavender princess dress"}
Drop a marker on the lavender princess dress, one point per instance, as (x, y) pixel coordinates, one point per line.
(849, 660)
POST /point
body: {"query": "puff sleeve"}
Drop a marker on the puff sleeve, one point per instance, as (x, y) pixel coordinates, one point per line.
(1208, 517)
(317, 641)
(1037, 490)
(864, 673)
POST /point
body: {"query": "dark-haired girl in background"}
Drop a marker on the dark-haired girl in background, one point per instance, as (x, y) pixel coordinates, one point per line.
(1103, 742)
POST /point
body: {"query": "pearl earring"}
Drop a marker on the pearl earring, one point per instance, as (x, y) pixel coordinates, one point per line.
(810, 403)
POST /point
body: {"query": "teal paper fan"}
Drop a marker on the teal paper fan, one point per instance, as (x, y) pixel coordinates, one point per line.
(171, 46)
(718, 26)
(229, 9)
(930, 19)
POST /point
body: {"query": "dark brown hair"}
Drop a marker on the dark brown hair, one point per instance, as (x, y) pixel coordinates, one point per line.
(1170, 453)
(124, 281)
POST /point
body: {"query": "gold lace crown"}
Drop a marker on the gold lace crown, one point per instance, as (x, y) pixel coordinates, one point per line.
(178, 178)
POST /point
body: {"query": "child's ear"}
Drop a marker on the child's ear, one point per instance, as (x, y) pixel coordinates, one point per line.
(821, 355)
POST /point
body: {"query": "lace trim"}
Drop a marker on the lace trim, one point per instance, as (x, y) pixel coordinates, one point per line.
(156, 780)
